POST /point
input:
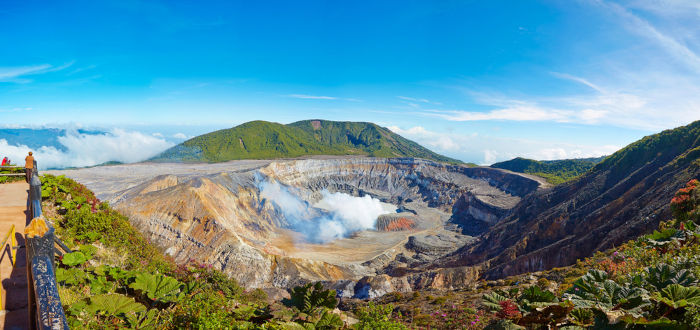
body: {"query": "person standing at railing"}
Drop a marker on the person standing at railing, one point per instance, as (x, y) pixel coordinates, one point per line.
(29, 166)
(5, 162)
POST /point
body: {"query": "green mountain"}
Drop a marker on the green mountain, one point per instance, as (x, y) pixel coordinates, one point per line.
(555, 171)
(266, 140)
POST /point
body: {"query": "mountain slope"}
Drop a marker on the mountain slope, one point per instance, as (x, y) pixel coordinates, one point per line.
(555, 171)
(264, 140)
(620, 198)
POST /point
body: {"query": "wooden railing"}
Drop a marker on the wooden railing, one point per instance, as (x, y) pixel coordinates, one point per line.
(12, 168)
(45, 308)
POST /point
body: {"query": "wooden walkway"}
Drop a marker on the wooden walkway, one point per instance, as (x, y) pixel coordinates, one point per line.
(13, 211)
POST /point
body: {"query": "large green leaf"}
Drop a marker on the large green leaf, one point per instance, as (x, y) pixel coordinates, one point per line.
(534, 297)
(74, 258)
(677, 296)
(582, 316)
(158, 287)
(595, 290)
(329, 321)
(663, 275)
(143, 320)
(308, 297)
(115, 304)
(492, 300)
(72, 276)
(100, 284)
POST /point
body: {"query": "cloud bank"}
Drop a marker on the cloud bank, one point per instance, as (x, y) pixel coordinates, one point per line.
(487, 150)
(89, 149)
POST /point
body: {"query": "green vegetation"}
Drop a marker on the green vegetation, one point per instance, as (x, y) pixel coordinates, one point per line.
(663, 147)
(8, 179)
(648, 282)
(266, 140)
(555, 171)
(116, 279)
(309, 297)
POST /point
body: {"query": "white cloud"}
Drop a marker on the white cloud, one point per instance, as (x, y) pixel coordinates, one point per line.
(430, 139)
(412, 100)
(16, 109)
(521, 113)
(645, 29)
(157, 135)
(654, 101)
(578, 80)
(90, 149)
(487, 150)
(16, 74)
(651, 85)
(321, 97)
(180, 136)
(311, 97)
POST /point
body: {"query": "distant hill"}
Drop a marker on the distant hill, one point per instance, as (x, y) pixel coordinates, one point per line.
(555, 171)
(267, 140)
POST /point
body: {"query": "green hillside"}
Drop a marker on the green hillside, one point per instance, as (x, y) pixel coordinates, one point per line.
(266, 140)
(555, 171)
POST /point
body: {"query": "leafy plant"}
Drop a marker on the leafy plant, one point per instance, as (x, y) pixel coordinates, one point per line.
(143, 320)
(100, 284)
(157, 287)
(582, 316)
(74, 258)
(492, 300)
(509, 310)
(310, 296)
(663, 275)
(114, 303)
(595, 290)
(535, 297)
(329, 321)
(72, 276)
(377, 317)
(678, 296)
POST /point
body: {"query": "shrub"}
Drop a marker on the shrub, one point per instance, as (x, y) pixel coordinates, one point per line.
(311, 296)
(377, 317)
(509, 310)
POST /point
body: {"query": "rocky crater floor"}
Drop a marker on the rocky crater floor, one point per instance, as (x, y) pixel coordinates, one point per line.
(261, 221)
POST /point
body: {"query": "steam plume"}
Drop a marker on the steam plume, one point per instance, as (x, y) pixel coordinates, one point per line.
(335, 216)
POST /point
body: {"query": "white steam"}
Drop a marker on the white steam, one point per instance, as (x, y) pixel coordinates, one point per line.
(354, 213)
(89, 149)
(335, 216)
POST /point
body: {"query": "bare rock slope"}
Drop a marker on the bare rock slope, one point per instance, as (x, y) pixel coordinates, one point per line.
(621, 198)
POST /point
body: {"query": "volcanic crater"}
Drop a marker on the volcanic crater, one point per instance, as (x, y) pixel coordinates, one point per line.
(222, 214)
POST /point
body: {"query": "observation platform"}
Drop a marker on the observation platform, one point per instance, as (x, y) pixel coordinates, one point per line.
(14, 313)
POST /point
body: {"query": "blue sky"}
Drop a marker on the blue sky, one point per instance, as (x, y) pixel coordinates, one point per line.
(481, 81)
